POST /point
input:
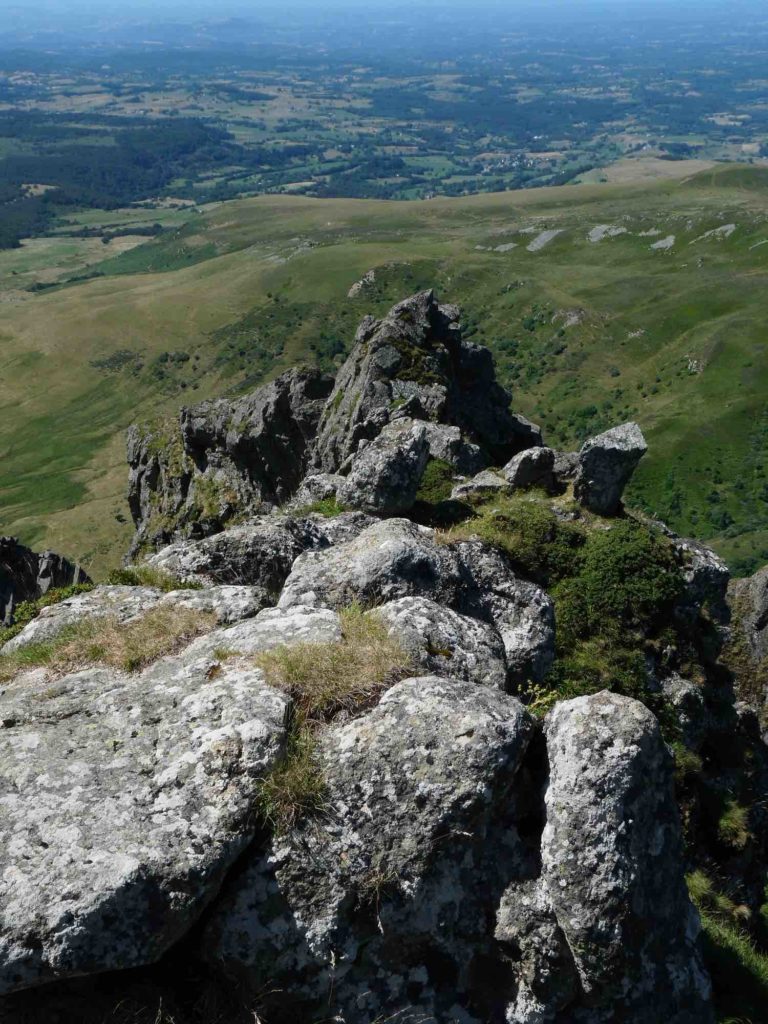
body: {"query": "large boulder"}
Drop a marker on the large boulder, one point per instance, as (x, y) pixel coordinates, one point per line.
(385, 475)
(415, 363)
(613, 866)
(26, 575)
(606, 464)
(381, 907)
(191, 475)
(531, 468)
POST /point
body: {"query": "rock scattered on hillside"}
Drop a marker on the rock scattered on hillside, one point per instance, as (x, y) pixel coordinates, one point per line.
(606, 463)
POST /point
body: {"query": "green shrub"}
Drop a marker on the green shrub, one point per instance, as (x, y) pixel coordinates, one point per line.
(436, 483)
(733, 826)
(327, 507)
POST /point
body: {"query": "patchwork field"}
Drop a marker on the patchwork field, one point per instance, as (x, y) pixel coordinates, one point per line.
(601, 302)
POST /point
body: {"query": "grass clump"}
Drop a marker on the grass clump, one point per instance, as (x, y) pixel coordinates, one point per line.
(739, 971)
(329, 508)
(733, 825)
(104, 640)
(147, 576)
(323, 679)
(25, 611)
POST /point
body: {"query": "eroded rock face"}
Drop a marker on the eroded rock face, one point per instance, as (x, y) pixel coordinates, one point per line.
(485, 484)
(612, 864)
(223, 458)
(381, 907)
(749, 600)
(415, 363)
(385, 475)
(606, 464)
(26, 575)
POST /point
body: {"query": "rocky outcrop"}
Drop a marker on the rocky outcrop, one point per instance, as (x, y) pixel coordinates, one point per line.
(612, 864)
(606, 464)
(190, 476)
(385, 475)
(531, 468)
(415, 363)
(26, 575)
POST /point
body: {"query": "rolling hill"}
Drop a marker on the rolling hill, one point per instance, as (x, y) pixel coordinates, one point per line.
(601, 303)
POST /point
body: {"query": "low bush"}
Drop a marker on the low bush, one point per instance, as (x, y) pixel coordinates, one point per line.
(327, 507)
(436, 483)
(148, 576)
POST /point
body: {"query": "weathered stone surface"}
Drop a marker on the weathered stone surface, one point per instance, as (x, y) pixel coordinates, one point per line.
(522, 612)
(690, 707)
(220, 459)
(749, 599)
(316, 487)
(26, 575)
(381, 907)
(531, 468)
(415, 363)
(705, 574)
(447, 444)
(385, 475)
(228, 604)
(606, 463)
(612, 864)
(391, 559)
(565, 467)
(125, 799)
(484, 485)
(546, 974)
(258, 553)
(442, 642)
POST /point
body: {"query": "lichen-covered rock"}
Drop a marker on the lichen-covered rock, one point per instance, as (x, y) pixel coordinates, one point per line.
(258, 553)
(522, 612)
(485, 484)
(316, 487)
(606, 464)
(383, 906)
(748, 598)
(531, 468)
(385, 475)
(447, 444)
(442, 642)
(613, 868)
(415, 363)
(220, 459)
(688, 703)
(125, 799)
(706, 577)
(26, 575)
(391, 559)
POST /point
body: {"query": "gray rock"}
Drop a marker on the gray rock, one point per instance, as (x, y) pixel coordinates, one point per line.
(442, 642)
(258, 553)
(220, 459)
(26, 575)
(613, 867)
(565, 468)
(316, 487)
(690, 708)
(531, 468)
(391, 559)
(385, 476)
(415, 363)
(483, 485)
(447, 444)
(749, 599)
(546, 974)
(523, 613)
(125, 801)
(606, 463)
(381, 907)
(706, 577)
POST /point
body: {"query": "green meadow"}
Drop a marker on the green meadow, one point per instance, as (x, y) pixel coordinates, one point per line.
(601, 303)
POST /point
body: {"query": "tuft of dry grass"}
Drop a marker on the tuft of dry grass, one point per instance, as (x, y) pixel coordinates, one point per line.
(323, 679)
(104, 640)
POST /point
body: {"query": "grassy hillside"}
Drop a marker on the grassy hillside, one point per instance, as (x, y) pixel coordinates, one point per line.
(650, 303)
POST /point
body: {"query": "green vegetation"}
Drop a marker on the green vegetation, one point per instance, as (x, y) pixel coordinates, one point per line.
(436, 483)
(28, 610)
(739, 972)
(104, 640)
(147, 576)
(329, 508)
(323, 679)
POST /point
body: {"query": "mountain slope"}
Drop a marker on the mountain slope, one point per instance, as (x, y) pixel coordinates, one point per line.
(648, 304)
